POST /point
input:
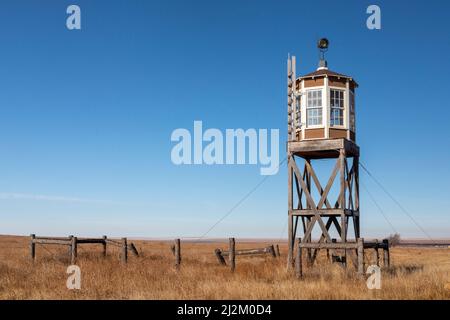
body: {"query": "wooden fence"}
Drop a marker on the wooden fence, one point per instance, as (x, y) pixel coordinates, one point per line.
(349, 248)
(232, 253)
(73, 242)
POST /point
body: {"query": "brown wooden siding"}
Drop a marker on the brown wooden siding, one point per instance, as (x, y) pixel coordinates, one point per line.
(335, 82)
(338, 133)
(314, 133)
(313, 82)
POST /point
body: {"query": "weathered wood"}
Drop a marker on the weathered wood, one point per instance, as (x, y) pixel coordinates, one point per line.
(360, 249)
(278, 250)
(311, 203)
(326, 148)
(219, 256)
(328, 245)
(376, 254)
(177, 253)
(373, 245)
(56, 242)
(53, 238)
(124, 255)
(386, 256)
(32, 247)
(272, 251)
(172, 249)
(298, 260)
(91, 240)
(244, 252)
(114, 242)
(104, 245)
(232, 255)
(316, 182)
(73, 250)
(335, 212)
(290, 218)
(133, 249)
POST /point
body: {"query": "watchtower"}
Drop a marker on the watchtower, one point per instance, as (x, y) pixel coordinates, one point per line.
(321, 125)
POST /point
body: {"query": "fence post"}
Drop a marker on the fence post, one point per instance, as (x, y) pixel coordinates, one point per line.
(32, 247)
(124, 256)
(298, 260)
(361, 256)
(272, 251)
(376, 253)
(232, 254)
(73, 249)
(386, 257)
(104, 245)
(219, 257)
(177, 253)
(278, 250)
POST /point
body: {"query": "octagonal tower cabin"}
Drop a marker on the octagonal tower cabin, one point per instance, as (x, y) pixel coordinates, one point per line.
(325, 105)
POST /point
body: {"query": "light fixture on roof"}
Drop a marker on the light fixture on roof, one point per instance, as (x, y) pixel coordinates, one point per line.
(322, 44)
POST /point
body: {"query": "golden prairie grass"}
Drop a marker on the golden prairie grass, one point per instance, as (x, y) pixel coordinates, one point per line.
(422, 273)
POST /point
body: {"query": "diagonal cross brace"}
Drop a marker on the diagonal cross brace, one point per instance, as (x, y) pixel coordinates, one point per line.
(311, 203)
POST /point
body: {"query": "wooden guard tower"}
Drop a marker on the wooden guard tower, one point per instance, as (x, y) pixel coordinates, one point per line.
(321, 125)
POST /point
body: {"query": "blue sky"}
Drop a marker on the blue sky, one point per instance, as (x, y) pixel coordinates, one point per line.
(86, 115)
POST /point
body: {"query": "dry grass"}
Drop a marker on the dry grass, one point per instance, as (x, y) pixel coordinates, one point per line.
(416, 274)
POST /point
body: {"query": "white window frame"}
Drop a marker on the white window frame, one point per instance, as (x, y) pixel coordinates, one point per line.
(310, 90)
(341, 107)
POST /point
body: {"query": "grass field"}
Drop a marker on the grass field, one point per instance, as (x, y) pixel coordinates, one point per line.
(416, 273)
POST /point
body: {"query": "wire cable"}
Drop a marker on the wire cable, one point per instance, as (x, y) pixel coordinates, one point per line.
(379, 208)
(395, 201)
(245, 197)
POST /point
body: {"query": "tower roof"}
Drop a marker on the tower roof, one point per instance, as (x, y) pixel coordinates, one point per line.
(328, 73)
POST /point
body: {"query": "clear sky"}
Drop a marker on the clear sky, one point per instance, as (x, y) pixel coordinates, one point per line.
(86, 115)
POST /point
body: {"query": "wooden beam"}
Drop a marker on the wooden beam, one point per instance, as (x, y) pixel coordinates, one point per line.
(232, 256)
(32, 247)
(290, 218)
(310, 201)
(298, 260)
(330, 182)
(104, 245)
(124, 255)
(219, 257)
(73, 250)
(360, 249)
(323, 212)
(177, 253)
(311, 171)
(329, 245)
(386, 256)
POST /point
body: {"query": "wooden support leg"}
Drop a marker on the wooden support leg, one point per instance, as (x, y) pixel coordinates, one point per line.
(272, 251)
(376, 254)
(73, 250)
(298, 260)
(386, 257)
(290, 243)
(360, 256)
(124, 256)
(177, 253)
(32, 247)
(219, 257)
(232, 255)
(104, 246)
